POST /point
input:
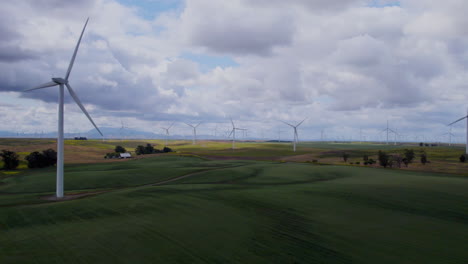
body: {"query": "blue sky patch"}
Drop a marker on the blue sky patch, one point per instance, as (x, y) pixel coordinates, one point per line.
(209, 62)
(149, 9)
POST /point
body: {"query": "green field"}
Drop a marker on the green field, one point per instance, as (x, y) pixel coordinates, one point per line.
(234, 211)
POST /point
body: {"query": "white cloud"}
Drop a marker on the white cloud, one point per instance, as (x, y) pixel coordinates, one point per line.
(325, 59)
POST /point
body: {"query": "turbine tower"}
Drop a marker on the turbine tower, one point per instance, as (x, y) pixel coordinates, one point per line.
(389, 130)
(62, 82)
(233, 133)
(450, 135)
(194, 132)
(296, 136)
(465, 117)
(167, 133)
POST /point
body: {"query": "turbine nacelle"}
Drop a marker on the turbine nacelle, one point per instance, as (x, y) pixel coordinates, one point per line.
(60, 81)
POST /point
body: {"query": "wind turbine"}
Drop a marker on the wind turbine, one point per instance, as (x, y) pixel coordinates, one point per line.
(167, 132)
(296, 136)
(450, 135)
(233, 133)
(389, 130)
(465, 117)
(121, 130)
(194, 132)
(62, 82)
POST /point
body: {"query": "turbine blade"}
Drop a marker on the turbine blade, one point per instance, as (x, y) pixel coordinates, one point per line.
(76, 51)
(198, 124)
(301, 122)
(457, 121)
(170, 126)
(45, 85)
(287, 124)
(231, 133)
(78, 102)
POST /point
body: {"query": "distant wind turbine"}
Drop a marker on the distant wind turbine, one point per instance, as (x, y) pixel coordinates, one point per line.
(167, 133)
(465, 117)
(194, 127)
(389, 130)
(233, 133)
(62, 82)
(450, 135)
(296, 136)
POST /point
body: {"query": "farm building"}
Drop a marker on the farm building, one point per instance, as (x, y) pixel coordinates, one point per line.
(125, 155)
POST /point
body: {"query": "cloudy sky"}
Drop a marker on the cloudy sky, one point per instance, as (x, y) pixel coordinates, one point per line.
(345, 65)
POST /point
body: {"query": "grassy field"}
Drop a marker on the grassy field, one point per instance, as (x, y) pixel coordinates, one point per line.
(179, 208)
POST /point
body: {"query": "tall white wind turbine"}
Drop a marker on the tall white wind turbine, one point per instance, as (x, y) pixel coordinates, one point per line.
(62, 82)
(194, 127)
(296, 136)
(465, 117)
(233, 133)
(167, 133)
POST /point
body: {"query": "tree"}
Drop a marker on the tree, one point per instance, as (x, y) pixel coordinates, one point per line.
(423, 158)
(345, 156)
(409, 156)
(398, 160)
(463, 158)
(50, 157)
(120, 149)
(149, 149)
(35, 160)
(421, 144)
(140, 150)
(10, 159)
(47, 158)
(383, 159)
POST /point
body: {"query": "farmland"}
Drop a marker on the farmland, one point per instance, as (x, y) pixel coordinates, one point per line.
(260, 203)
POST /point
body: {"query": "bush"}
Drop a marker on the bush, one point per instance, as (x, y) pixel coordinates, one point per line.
(120, 149)
(112, 155)
(47, 158)
(358, 163)
(463, 158)
(10, 159)
(166, 149)
(421, 144)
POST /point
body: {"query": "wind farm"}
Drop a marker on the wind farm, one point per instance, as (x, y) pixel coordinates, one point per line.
(279, 133)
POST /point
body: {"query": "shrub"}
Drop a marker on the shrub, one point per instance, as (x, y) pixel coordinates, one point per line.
(120, 149)
(358, 163)
(167, 149)
(112, 155)
(10, 159)
(463, 158)
(421, 144)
